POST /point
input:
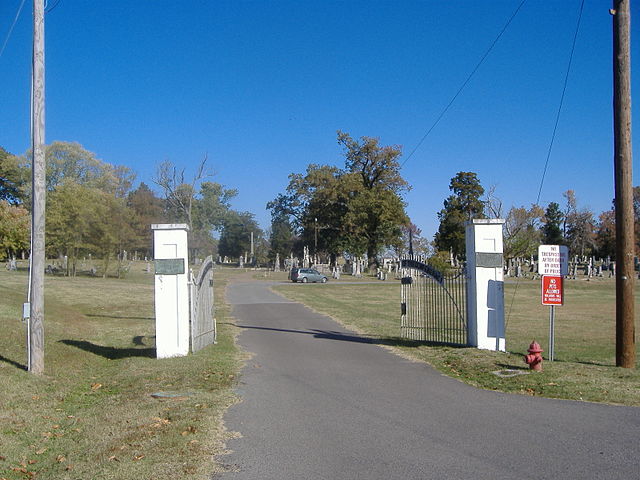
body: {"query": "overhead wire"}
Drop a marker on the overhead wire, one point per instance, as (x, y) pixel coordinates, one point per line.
(15, 20)
(464, 84)
(564, 89)
(553, 136)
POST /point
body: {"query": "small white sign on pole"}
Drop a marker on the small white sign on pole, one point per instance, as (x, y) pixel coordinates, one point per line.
(553, 264)
(553, 260)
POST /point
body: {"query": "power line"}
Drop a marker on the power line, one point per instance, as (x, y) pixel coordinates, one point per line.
(48, 9)
(464, 84)
(15, 20)
(575, 36)
(564, 89)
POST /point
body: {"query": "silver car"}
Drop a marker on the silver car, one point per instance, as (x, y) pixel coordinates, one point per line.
(305, 275)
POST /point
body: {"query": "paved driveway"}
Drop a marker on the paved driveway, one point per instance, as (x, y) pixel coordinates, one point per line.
(320, 402)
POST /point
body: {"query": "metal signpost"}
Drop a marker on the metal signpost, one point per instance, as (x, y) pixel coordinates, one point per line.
(553, 265)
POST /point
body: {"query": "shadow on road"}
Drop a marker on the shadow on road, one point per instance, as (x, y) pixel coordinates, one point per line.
(345, 337)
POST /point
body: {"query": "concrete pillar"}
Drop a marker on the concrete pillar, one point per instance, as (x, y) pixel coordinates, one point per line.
(485, 285)
(170, 252)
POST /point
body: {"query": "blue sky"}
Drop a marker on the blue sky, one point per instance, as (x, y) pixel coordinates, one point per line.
(261, 87)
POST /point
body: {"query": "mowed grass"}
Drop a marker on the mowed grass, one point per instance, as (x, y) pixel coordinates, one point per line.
(584, 366)
(92, 414)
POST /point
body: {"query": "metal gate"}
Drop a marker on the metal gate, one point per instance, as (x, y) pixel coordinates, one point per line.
(203, 322)
(433, 303)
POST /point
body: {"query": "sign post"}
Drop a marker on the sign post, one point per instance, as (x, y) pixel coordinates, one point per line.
(553, 265)
(552, 295)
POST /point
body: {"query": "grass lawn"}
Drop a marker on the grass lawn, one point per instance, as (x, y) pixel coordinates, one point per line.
(92, 414)
(584, 366)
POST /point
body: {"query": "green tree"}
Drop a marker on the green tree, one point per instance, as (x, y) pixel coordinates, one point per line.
(71, 162)
(551, 230)
(14, 229)
(146, 209)
(72, 210)
(465, 204)
(355, 211)
(235, 239)
(13, 178)
(376, 212)
(281, 237)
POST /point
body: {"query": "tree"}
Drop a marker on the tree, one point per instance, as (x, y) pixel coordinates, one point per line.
(203, 206)
(13, 178)
(70, 162)
(282, 236)
(354, 211)
(235, 239)
(551, 230)
(72, 210)
(413, 240)
(14, 229)
(522, 231)
(377, 212)
(465, 204)
(146, 209)
(605, 237)
(578, 226)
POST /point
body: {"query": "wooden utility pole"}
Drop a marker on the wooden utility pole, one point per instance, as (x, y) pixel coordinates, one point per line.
(625, 248)
(36, 287)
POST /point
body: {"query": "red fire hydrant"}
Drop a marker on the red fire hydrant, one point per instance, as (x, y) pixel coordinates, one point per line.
(534, 359)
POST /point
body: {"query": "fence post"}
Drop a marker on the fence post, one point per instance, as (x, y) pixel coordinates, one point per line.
(485, 287)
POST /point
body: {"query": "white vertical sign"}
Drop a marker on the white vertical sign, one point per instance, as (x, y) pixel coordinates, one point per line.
(553, 260)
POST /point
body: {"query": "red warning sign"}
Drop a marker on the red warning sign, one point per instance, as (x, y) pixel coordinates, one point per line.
(552, 293)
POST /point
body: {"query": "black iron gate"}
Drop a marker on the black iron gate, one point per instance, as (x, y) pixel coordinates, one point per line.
(433, 302)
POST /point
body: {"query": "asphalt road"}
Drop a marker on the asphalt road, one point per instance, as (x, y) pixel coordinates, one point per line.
(320, 402)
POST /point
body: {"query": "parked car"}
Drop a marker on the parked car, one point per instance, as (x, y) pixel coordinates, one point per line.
(305, 275)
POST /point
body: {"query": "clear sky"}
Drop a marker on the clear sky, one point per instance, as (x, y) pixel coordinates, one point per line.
(261, 87)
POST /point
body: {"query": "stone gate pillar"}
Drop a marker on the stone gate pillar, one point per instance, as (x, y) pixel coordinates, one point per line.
(170, 252)
(485, 284)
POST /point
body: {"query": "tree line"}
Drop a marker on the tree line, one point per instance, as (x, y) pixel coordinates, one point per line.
(93, 209)
(525, 228)
(354, 211)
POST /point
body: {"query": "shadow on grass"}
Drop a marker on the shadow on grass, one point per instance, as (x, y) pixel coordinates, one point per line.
(346, 337)
(119, 316)
(112, 353)
(13, 362)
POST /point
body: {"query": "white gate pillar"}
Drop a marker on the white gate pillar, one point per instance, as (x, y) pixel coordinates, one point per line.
(170, 252)
(485, 287)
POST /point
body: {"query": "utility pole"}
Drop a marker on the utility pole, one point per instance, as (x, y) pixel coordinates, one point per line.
(625, 248)
(36, 287)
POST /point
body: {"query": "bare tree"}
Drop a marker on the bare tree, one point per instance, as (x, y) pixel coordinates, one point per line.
(179, 194)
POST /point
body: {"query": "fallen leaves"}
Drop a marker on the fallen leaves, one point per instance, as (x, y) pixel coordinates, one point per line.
(190, 429)
(96, 386)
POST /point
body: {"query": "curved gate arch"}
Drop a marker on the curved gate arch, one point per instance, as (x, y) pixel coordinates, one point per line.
(433, 303)
(203, 322)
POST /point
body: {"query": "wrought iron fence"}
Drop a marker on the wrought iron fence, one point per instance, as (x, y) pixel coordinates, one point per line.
(433, 303)
(203, 322)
